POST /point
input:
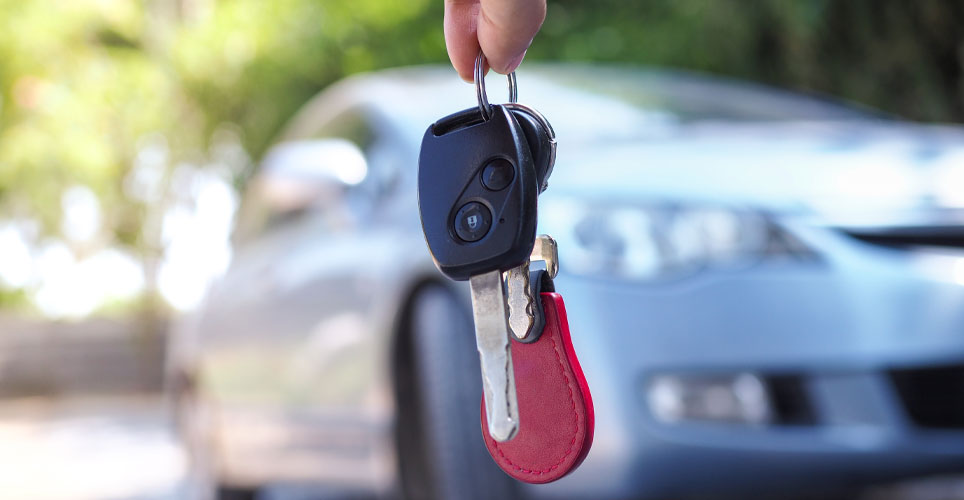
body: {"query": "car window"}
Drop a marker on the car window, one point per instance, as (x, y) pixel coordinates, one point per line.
(352, 125)
(260, 215)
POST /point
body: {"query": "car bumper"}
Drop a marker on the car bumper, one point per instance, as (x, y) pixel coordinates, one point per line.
(636, 456)
(864, 427)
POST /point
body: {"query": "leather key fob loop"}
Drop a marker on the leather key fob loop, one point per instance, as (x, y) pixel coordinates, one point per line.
(555, 406)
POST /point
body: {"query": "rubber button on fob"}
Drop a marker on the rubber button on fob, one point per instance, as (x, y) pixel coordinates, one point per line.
(472, 221)
(497, 174)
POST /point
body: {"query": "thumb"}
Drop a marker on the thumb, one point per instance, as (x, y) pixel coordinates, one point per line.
(506, 29)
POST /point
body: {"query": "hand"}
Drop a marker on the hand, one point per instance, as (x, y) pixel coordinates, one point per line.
(502, 28)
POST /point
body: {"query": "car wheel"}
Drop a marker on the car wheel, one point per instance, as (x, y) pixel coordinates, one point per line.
(449, 458)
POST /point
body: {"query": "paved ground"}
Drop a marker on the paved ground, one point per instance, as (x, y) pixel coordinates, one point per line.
(116, 448)
(123, 448)
(91, 449)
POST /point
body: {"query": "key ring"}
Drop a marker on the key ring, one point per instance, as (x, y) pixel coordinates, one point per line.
(484, 105)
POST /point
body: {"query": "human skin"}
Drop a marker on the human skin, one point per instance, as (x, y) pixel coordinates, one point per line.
(503, 29)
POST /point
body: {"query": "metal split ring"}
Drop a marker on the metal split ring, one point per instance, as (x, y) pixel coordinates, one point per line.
(484, 105)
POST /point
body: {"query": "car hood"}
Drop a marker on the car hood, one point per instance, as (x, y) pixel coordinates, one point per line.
(850, 172)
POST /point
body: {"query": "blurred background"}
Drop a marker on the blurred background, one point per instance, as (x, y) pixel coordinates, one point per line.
(128, 129)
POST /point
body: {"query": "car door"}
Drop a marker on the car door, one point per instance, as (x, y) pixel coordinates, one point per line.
(294, 334)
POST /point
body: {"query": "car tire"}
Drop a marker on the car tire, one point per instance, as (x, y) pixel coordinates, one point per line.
(233, 493)
(448, 389)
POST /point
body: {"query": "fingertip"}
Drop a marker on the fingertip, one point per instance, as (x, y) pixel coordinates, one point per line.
(467, 71)
(461, 59)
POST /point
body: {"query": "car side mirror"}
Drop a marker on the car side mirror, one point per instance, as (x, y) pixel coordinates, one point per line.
(297, 175)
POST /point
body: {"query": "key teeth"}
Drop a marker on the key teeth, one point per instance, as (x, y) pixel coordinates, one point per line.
(495, 354)
(520, 300)
(502, 426)
(546, 249)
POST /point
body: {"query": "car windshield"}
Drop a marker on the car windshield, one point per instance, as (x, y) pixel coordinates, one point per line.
(692, 96)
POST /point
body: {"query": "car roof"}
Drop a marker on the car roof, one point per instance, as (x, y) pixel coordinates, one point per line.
(591, 101)
(686, 95)
(635, 132)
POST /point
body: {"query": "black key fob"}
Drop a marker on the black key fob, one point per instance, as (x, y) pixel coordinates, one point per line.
(477, 191)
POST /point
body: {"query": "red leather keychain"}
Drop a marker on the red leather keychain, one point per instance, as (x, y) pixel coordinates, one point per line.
(556, 418)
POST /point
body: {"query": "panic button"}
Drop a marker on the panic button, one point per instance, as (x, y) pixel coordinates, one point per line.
(472, 221)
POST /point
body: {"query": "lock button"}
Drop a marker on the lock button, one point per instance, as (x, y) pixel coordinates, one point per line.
(497, 175)
(472, 221)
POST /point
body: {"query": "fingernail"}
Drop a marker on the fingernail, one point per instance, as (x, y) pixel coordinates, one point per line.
(515, 62)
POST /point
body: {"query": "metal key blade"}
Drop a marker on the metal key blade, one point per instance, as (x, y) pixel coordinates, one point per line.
(492, 339)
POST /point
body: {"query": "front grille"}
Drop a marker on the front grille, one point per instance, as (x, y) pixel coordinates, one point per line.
(933, 397)
(932, 236)
(790, 400)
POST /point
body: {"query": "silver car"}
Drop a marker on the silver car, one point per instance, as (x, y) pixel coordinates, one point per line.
(766, 291)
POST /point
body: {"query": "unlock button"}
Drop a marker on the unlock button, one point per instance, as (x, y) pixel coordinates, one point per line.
(472, 221)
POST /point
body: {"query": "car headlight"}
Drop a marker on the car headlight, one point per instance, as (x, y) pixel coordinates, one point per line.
(740, 398)
(648, 241)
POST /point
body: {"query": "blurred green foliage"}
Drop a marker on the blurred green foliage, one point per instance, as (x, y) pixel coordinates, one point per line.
(905, 57)
(84, 81)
